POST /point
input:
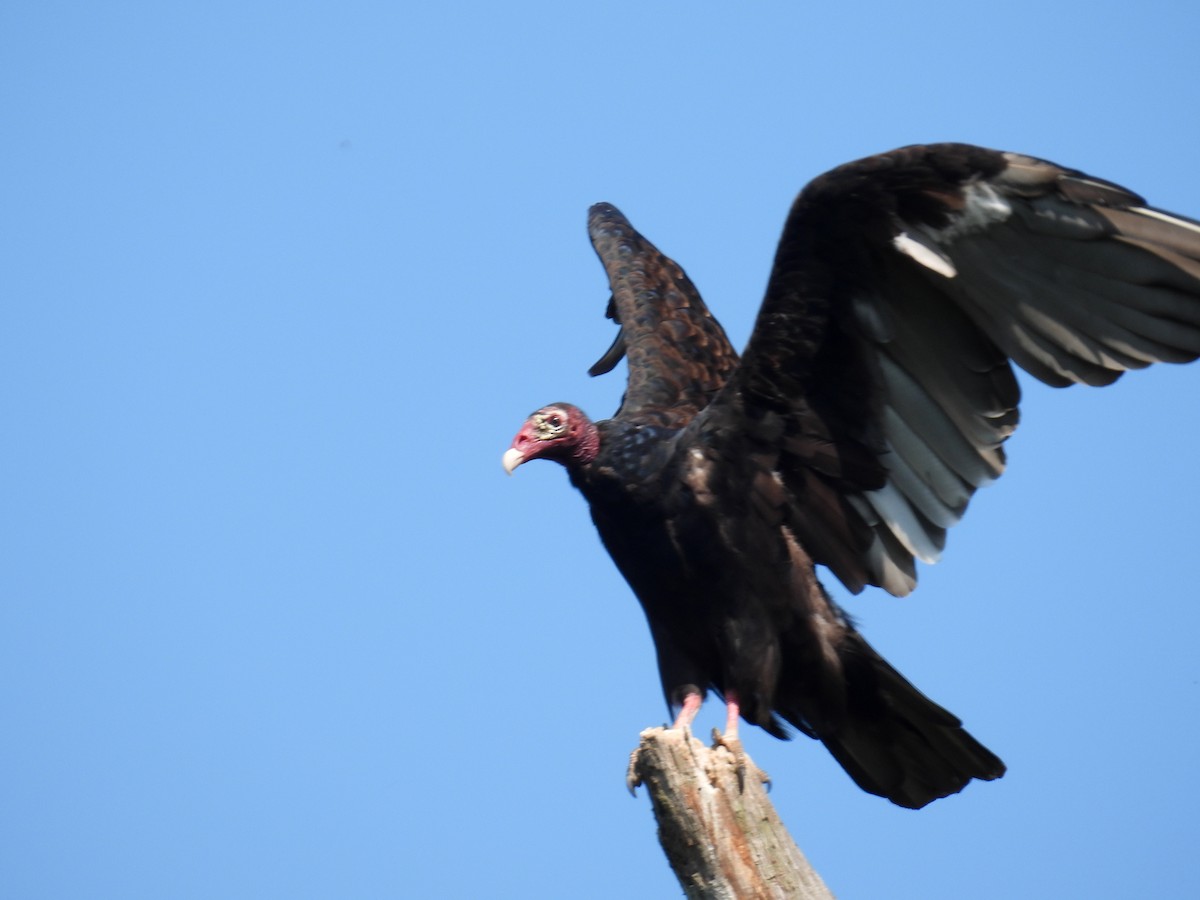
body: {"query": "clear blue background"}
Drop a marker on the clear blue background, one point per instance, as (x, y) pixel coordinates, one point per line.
(278, 283)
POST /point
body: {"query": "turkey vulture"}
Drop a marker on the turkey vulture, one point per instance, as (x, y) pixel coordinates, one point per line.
(873, 398)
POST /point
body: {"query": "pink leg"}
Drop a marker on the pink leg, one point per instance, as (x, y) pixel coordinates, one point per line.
(691, 706)
(732, 713)
(731, 742)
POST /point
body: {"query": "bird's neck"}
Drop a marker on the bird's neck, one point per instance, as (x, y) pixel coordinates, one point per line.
(587, 448)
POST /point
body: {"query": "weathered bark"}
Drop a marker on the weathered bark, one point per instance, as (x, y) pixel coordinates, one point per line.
(721, 834)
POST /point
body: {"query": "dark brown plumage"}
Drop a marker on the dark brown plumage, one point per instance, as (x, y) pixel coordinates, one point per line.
(873, 399)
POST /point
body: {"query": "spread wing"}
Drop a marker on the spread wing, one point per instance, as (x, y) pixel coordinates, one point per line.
(876, 391)
(678, 354)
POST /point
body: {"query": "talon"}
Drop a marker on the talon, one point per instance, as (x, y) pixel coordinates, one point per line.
(742, 761)
(632, 781)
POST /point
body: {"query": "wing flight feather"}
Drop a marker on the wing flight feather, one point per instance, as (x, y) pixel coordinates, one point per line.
(903, 287)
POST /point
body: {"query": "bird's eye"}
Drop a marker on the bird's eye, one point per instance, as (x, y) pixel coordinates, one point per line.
(551, 425)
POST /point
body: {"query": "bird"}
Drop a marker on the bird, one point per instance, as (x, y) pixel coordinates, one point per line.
(873, 398)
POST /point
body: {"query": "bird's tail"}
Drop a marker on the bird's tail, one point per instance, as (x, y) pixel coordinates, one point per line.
(894, 741)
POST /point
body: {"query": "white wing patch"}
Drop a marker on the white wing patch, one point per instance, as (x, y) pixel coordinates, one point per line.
(697, 476)
(926, 255)
(983, 206)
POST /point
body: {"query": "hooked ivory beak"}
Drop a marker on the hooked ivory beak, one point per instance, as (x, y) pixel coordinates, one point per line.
(512, 458)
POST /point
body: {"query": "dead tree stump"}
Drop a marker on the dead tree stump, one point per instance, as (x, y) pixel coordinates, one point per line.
(720, 832)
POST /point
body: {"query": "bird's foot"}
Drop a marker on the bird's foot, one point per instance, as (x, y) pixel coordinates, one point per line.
(742, 762)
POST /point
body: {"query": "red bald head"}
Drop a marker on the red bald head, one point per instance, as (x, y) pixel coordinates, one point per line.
(560, 432)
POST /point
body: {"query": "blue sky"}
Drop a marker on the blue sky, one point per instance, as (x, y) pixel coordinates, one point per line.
(280, 282)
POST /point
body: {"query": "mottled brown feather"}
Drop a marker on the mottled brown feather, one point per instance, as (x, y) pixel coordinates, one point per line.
(678, 354)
